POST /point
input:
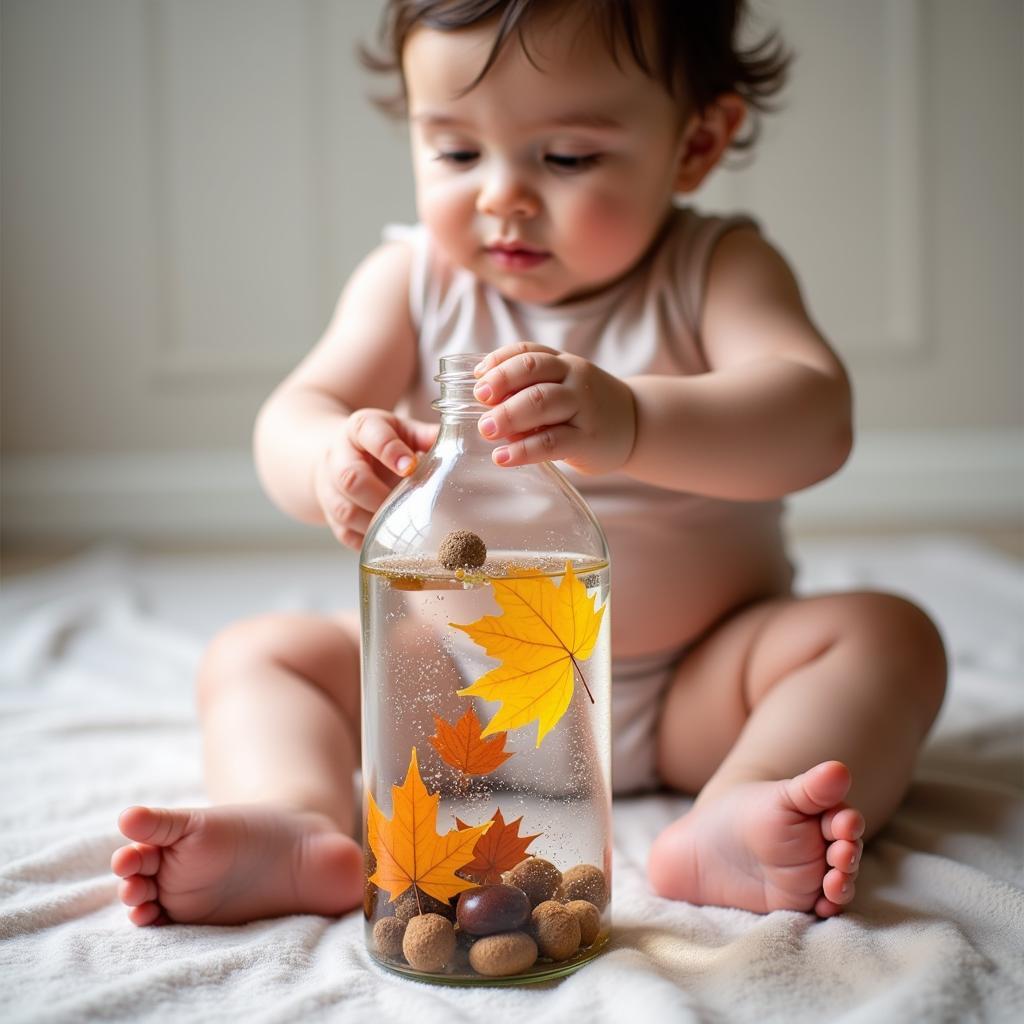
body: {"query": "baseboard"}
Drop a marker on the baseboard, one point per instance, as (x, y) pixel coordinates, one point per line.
(148, 498)
(927, 479)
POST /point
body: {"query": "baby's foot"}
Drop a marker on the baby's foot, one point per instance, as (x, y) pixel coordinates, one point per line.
(234, 863)
(761, 846)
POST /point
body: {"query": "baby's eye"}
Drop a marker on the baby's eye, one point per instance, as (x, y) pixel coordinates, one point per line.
(562, 162)
(457, 156)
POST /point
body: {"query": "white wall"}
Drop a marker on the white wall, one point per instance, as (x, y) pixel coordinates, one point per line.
(186, 183)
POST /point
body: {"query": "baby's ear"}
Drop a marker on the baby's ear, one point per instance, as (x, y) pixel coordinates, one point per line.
(706, 137)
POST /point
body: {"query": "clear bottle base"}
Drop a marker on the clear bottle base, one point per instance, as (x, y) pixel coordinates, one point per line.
(465, 975)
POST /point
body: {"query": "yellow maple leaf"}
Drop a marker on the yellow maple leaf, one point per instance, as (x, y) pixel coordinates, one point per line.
(543, 635)
(409, 850)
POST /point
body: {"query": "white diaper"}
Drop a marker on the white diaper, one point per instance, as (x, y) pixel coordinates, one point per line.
(639, 686)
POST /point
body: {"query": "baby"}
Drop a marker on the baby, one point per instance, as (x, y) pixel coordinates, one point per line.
(667, 361)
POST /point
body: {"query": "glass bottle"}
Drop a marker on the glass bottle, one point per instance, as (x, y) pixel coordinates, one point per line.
(486, 730)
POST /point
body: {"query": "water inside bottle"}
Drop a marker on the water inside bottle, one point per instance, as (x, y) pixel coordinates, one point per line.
(415, 662)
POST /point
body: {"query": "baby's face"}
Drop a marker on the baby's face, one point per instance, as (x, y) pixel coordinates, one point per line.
(548, 183)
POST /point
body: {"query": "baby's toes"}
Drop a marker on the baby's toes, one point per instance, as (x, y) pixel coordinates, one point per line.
(158, 826)
(135, 859)
(842, 823)
(844, 855)
(826, 908)
(137, 889)
(146, 914)
(838, 887)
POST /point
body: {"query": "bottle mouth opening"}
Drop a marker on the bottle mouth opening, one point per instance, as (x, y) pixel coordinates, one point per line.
(457, 368)
(457, 383)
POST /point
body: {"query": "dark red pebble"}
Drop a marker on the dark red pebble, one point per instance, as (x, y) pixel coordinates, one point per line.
(488, 909)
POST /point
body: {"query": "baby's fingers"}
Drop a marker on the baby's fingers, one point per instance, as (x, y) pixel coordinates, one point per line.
(421, 436)
(352, 500)
(351, 518)
(519, 372)
(545, 445)
(500, 355)
(378, 436)
(357, 485)
(539, 405)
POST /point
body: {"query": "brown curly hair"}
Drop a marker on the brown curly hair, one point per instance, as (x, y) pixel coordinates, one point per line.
(698, 56)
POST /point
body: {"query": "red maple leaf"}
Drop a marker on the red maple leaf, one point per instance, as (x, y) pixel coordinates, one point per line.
(462, 747)
(499, 849)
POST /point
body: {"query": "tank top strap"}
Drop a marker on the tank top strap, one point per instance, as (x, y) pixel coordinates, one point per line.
(420, 276)
(689, 257)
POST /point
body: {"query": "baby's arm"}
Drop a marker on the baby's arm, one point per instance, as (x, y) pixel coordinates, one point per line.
(328, 450)
(771, 417)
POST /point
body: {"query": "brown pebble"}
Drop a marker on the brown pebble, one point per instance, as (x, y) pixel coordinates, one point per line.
(492, 908)
(462, 549)
(370, 890)
(498, 956)
(556, 930)
(584, 882)
(429, 942)
(406, 907)
(589, 918)
(369, 899)
(388, 933)
(537, 877)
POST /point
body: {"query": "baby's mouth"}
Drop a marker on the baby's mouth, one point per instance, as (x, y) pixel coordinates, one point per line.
(513, 255)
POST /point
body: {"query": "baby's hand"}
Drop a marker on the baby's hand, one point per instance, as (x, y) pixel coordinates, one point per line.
(551, 405)
(359, 469)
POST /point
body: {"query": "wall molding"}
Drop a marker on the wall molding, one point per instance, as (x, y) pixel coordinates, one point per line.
(922, 478)
(895, 479)
(187, 343)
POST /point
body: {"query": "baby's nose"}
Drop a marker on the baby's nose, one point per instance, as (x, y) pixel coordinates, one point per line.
(506, 195)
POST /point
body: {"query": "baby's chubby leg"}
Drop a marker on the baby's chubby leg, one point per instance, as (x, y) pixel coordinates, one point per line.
(280, 705)
(798, 722)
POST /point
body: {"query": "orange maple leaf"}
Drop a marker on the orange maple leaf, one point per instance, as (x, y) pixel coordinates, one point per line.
(500, 849)
(543, 635)
(409, 850)
(462, 746)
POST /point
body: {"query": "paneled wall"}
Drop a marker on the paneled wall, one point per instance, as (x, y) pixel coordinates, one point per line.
(186, 184)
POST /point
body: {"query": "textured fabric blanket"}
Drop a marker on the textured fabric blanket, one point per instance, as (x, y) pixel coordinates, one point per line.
(96, 711)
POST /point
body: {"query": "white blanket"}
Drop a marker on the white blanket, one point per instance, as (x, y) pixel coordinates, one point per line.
(96, 662)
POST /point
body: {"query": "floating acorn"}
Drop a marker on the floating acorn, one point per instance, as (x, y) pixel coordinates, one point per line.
(462, 549)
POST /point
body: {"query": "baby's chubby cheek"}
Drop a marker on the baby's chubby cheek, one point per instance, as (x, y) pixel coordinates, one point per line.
(449, 217)
(603, 236)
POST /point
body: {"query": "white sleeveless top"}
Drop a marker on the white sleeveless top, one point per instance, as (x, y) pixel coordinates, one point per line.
(679, 560)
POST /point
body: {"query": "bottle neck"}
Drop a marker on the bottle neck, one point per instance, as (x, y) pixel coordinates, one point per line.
(460, 411)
